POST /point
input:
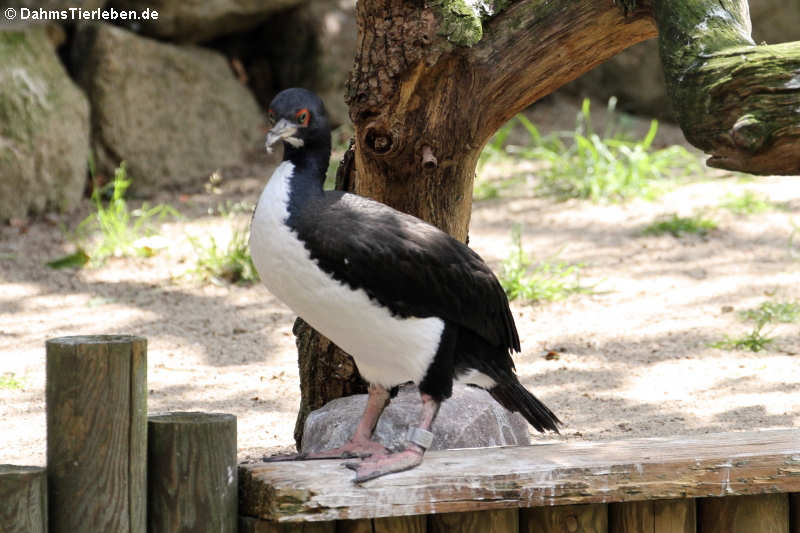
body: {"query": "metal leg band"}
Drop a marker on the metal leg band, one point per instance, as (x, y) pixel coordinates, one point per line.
(421, 437)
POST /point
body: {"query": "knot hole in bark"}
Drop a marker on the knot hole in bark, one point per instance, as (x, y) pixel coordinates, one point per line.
(378, 140)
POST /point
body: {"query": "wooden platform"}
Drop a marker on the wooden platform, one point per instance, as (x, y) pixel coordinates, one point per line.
(727, 464)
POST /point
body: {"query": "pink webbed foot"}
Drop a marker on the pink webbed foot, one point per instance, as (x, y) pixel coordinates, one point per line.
(389, 463)
(352, 449)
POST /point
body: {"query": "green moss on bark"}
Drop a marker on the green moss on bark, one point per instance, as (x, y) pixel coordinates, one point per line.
(462, 20)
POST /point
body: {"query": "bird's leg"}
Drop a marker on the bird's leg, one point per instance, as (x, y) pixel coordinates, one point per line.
(361, 443)
(419, 439)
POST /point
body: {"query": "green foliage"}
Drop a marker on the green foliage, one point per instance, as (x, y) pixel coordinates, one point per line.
(611, 169)
(521, 278)
(76, 259)
(747, 203)
(119, 230)
(755, 341)
(228, 262)
(764, 314)
(785, 312)
(9, 381)
(677, 226)
(583, 164)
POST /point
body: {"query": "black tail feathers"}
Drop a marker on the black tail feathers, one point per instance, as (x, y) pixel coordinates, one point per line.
(516, 398)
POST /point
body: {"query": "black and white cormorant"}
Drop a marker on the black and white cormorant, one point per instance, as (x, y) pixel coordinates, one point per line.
(404, 299)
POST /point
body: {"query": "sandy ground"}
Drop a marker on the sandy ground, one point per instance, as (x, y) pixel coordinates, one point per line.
(634, 356)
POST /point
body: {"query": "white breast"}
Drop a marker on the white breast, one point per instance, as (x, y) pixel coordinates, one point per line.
(387, 350)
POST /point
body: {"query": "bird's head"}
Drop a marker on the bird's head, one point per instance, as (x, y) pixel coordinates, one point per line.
(298, 118)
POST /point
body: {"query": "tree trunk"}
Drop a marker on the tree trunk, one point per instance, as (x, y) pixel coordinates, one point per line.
(433, 81)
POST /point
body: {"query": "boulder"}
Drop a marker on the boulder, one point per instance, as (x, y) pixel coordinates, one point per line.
(44, 127)
(174, 113)
(202, 20)
(469, 419)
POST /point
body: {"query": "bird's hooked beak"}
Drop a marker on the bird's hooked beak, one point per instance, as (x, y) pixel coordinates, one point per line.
(283, 130)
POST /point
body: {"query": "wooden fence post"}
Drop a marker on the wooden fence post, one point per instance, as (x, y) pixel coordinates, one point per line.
(23, 499)
(500, 521)
(96, 396)
(192, 473)
(763, 513)
(663, 516)
(592, 518)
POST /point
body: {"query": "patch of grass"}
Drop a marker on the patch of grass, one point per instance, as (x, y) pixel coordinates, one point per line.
(747, 203)
(784, 312)
(226, 262)
(546, 280)
(755, 341)
(611, 169)
(608, 167)
(766, 313)
(113, 229)
(677, 226)
(9, 381)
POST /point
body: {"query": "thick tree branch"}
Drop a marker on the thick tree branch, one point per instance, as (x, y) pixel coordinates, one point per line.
(738, 101)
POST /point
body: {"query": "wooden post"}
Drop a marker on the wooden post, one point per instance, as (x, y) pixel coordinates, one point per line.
(765, 513)
(565, 519)
(96, 397)
(794, 512)
(501, 521)
(399, 524)
(192, 473)
(23, 499)
(664, 516)
(253, 525)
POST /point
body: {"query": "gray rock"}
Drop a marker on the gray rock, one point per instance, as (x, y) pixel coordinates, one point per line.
(173, 113)
(201, 20)
(44, 127)
(469, 419)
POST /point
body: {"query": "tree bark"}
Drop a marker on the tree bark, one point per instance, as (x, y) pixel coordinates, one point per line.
(433, 80)
(738, 101)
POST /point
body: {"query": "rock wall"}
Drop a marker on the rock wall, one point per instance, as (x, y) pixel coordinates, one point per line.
(176, 98)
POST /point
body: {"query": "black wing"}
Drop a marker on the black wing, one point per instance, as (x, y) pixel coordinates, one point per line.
(407, 265)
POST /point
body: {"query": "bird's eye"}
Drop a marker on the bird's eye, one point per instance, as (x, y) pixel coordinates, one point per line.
(271, 117)
(303, 117)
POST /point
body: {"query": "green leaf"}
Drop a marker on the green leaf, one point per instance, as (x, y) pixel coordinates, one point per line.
(74, 260)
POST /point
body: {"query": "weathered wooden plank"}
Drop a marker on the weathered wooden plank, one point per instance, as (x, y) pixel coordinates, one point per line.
(191, 473)
(550, 474)
(565, 519)
(96, 397)
(662, 516)
(501, 521)
(23, 493)
(765, 513)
